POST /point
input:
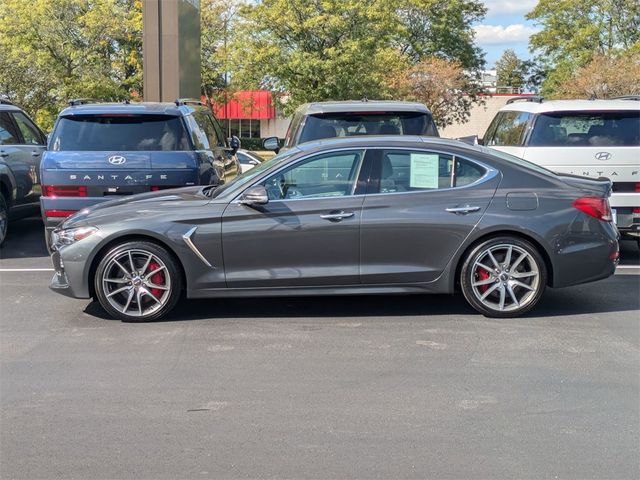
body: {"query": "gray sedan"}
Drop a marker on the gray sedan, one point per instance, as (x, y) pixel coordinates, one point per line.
(378, 215)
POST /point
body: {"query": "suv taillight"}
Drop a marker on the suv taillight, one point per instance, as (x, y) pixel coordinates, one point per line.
(64, 191)
(596, 207)
(637, 187)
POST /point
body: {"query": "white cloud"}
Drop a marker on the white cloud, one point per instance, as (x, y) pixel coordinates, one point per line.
(509, 7)
(499, 34)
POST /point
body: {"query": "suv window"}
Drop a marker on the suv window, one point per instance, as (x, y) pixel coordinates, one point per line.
(595, 129)
(407, 171)
(345, 124)
(507, 129)
(125, 132)
(206, 123)
(30, 133)
(8, 133)
(327, 175)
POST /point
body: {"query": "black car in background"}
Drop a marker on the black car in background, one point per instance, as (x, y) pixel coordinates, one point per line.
(21, 146)
(101, 151)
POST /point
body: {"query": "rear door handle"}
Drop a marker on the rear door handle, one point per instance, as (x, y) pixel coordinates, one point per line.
(337, 216)
(462, 210)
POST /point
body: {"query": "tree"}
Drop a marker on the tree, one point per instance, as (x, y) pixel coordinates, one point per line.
(55, 50)
(574, 31)
(511, 70)
(440, 28)
(443, 86)
(604, 77)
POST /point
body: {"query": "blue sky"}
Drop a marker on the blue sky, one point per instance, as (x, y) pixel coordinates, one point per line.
(505, 27)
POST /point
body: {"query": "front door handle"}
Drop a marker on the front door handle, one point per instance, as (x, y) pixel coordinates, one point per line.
(337, 216)
(462, 210)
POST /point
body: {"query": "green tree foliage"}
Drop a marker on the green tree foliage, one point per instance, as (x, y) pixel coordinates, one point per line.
(574, 31)
(54, 50)
(511, 70)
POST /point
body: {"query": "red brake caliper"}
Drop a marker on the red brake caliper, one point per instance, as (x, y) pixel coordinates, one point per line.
(482, 274)
(157, 278)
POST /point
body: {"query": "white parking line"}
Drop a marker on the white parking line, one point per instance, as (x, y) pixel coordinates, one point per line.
(26, 270)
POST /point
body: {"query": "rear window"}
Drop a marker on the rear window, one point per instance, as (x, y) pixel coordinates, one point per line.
(507, 129)
(120, 133)
(591, 129)
(344, 124)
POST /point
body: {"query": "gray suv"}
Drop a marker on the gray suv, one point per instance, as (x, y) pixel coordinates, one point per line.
(321, 120)
(21, 146)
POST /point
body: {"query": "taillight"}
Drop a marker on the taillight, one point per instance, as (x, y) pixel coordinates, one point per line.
(636, 210)
(59, 213)
(596, 207)
(637, 187)
(155, 188)
(64, 191)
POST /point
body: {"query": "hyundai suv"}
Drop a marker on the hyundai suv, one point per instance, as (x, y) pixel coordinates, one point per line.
(21, 147)
(100, 151)
(321, 120)
(593, 138)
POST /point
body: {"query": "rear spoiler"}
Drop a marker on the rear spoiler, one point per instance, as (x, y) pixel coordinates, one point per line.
(601, 185)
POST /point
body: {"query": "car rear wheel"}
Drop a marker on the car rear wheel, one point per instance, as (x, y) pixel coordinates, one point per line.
(138, 282)
(4, 219)
(503, 277)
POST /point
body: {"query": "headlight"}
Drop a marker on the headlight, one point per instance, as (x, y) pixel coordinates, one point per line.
(71, 235)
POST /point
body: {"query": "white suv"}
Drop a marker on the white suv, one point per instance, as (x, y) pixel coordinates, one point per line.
(594, 138)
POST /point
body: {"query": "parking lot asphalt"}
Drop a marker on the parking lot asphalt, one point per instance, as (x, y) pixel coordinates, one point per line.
(332, 387)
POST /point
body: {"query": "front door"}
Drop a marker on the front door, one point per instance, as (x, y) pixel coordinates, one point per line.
(308, 233)
(419, 209)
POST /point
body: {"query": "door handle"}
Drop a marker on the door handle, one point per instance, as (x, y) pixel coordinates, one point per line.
(337, 216)
(35, 153)
(3, 154)
(462, 210)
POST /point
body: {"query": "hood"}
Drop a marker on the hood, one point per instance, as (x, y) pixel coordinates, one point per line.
(134, 206)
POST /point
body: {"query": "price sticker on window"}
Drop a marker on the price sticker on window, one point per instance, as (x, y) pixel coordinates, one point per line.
(424, 170)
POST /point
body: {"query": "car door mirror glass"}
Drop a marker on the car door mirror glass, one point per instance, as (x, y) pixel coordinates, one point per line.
(255, 196)
(271, 143)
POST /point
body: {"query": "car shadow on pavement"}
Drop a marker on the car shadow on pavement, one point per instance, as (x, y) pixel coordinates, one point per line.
(584, 299)
(25, 239)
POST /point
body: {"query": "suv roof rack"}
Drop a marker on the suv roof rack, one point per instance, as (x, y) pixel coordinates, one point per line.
(80, 101)
(528, 98)
(187, 101)
(628, 97)
(4, 101)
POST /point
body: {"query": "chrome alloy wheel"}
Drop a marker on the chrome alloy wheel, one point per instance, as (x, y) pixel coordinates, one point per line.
(505, 277)
(136, 283)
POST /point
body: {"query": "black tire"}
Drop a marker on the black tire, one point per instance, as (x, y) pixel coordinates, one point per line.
(4, 220)
(141, 249)
(527, 281)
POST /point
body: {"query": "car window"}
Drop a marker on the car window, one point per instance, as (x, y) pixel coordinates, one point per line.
(30, 133)
(346, 124)
(205, 122)
(328, 175)
(507, 129)
(592, 129)
(407, 171)
(109, 132)
(8, 133)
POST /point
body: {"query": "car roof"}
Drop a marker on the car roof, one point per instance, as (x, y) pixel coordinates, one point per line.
(570, 105)
(364, 141)
(361, 106)
(138, 108)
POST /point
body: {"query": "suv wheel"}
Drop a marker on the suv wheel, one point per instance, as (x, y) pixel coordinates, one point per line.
(4, 219)
(138, 282)
(503, 277)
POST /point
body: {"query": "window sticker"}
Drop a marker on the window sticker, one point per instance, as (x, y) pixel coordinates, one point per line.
(424, 170)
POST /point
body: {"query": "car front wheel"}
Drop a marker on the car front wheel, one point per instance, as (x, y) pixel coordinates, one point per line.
(503, 277)
(4, 219)
(138, 282)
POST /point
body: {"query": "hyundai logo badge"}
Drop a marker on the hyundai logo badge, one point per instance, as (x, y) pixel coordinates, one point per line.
(116, 159)
(603, 156)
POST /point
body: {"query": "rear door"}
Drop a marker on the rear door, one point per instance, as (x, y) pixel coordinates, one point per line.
(307, 235)
(420, 207)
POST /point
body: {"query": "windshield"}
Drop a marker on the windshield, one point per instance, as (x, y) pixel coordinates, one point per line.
(249, 175)
(120, 132)
(346, 124)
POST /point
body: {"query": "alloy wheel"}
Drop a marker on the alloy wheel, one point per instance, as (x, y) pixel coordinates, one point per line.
(136, 283)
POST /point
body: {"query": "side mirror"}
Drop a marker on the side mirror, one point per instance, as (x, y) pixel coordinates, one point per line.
(480, 141)
(234, 144)
(255, 196)
(271, 143)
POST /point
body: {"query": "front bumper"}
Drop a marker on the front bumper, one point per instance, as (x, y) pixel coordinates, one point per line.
(72, 264)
